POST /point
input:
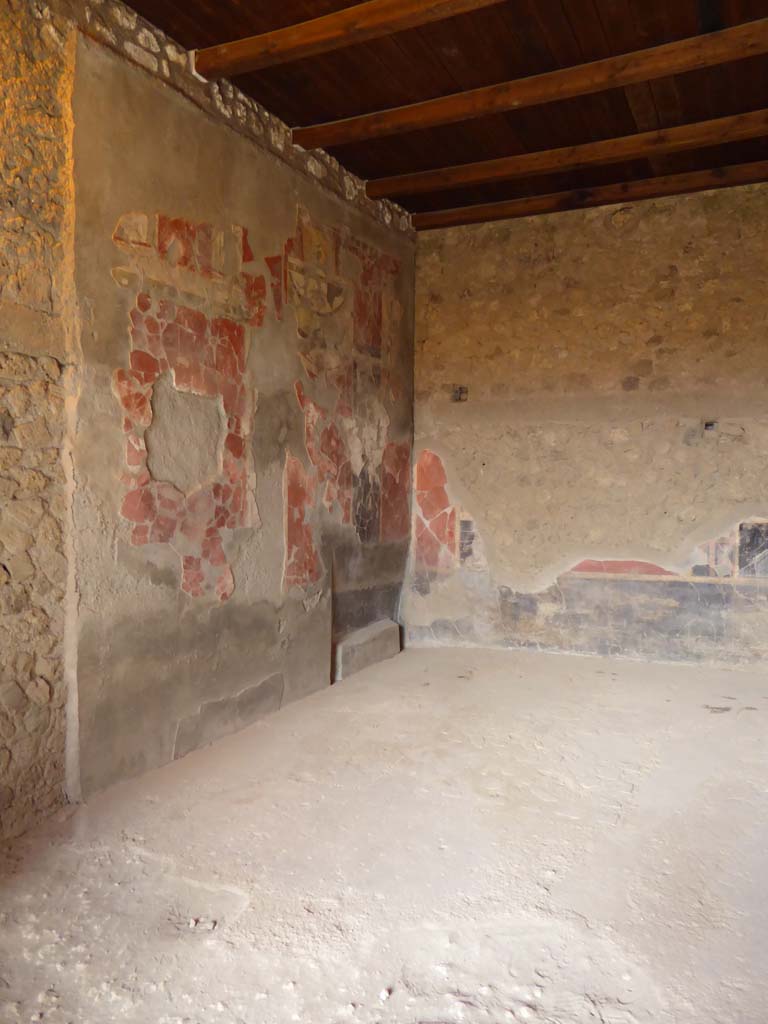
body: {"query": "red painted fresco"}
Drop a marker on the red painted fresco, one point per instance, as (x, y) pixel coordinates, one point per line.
(254, 292)
(204, 357)
(246, 252)
(302, 562)
(368, 312)
(183, 243)
(327, 451)
(395, 488)
(341, 292)
(278, 268)
(199, 248)
(430, 473)
(435, 517)
(308, 274)
(615, 567)
(339, 304)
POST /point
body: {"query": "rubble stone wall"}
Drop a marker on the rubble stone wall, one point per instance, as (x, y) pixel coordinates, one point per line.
(591, 431)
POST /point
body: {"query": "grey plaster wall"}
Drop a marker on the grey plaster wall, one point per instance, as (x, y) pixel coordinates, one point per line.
(175, 211)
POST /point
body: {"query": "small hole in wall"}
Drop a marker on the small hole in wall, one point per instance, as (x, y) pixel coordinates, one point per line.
(459, 393)
(710, 424)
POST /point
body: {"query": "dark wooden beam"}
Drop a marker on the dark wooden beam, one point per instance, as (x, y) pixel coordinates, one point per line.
(748, 40)
(601, 195)
(645, 145)
(348, 27)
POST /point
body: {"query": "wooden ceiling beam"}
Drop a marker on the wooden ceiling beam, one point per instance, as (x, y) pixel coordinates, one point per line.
(747, 40)
(347, 27)
(601, 195)
(645, 145)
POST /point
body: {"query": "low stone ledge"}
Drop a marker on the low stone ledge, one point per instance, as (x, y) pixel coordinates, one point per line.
(360, 648)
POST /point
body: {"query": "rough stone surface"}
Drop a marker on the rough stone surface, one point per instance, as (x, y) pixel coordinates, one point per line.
(33, 170)
(360, 648)
(614, 419)
(33, 383)
(452, 836)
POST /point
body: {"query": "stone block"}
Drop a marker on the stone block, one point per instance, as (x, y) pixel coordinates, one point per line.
(363, 647)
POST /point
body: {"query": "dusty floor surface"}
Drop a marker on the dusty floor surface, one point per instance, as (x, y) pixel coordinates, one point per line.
(454, 835)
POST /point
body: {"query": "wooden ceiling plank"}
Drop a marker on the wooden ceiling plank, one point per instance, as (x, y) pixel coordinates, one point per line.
(618, 20)
(645, 145)
(694, 53)
(347, 27)
(607, 111)
(602, 195)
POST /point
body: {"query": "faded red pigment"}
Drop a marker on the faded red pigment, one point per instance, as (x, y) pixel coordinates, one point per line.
(435, 517)
(302, 562)
(327, 451)
(204, 357)
(395, 489)
(435, 535)
(374, 499)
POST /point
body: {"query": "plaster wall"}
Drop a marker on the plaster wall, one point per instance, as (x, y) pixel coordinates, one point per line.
(599, 485)
(246, 383)
(205, 406)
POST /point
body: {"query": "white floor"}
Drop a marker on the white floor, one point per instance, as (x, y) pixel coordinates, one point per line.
(455, 835)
